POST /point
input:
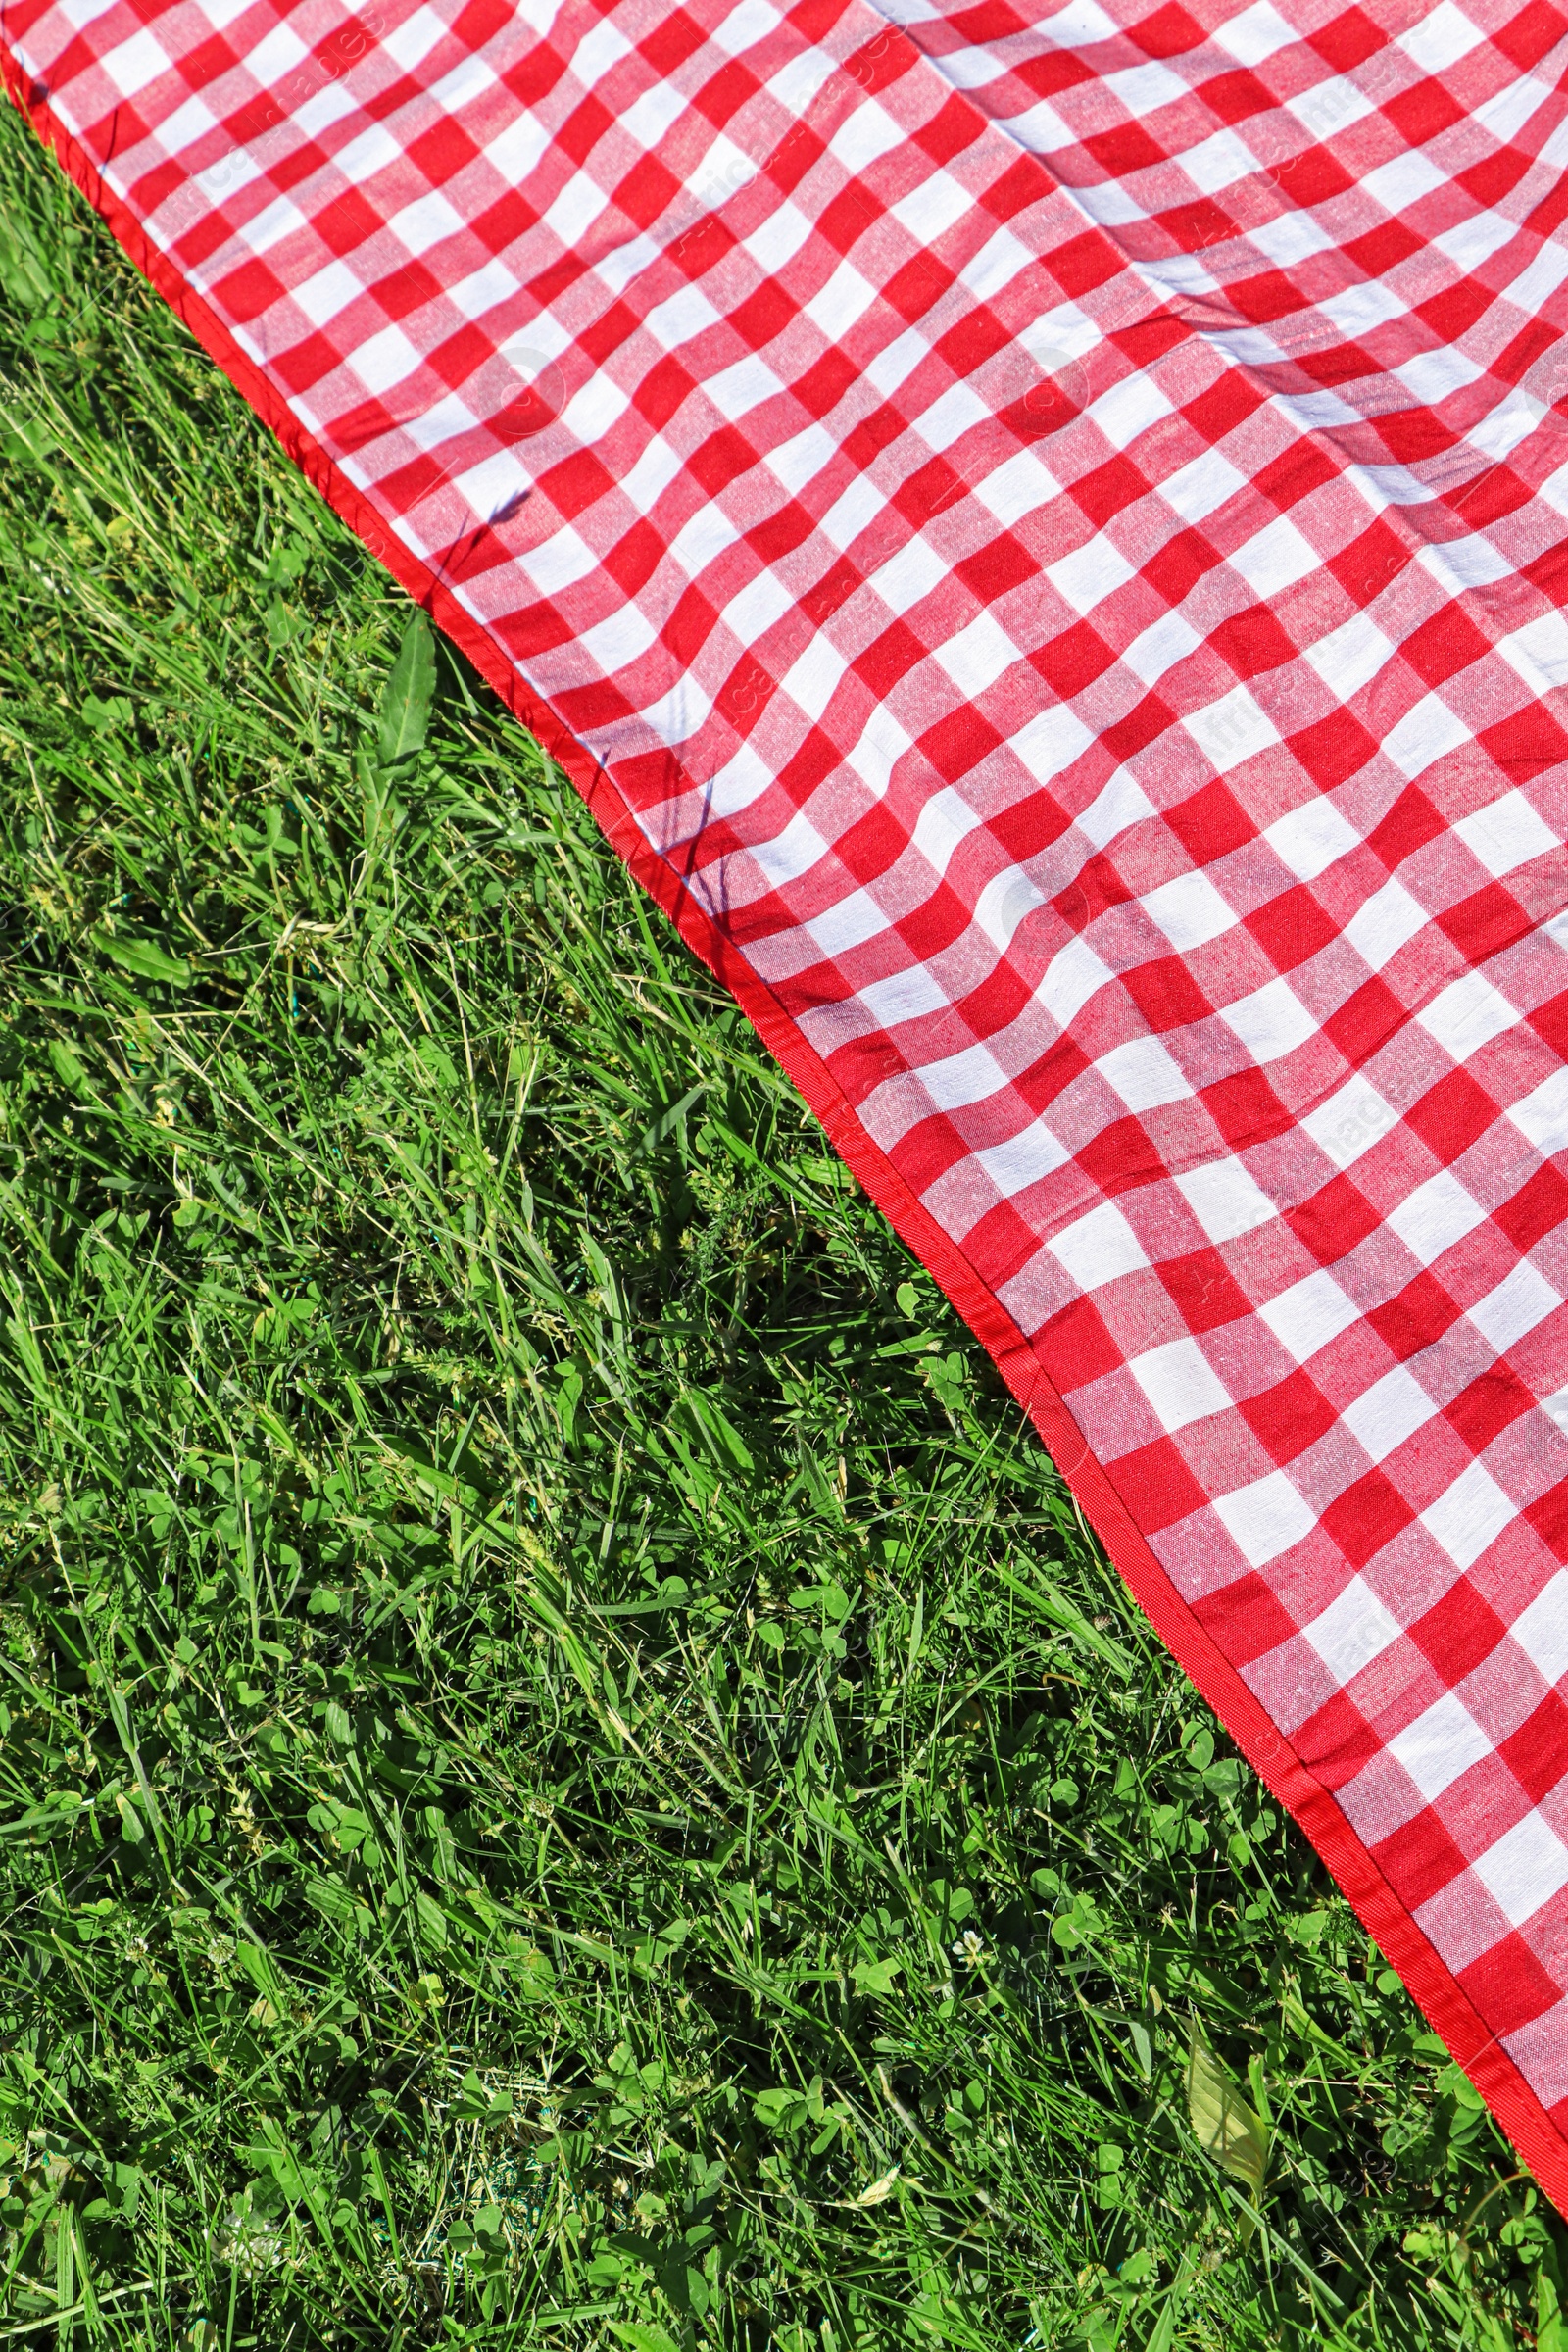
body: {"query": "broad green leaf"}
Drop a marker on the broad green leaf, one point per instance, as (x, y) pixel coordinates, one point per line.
(877, 2193)
(404, 718)
(142, 956)
(1221, 2119)
(875, 1977)
(24, 273)
(641, 2336)
(1457, 2083)
(67, 1066)
(263, 1973)
(331, 1897)
(780, 2110)
(707, 1419)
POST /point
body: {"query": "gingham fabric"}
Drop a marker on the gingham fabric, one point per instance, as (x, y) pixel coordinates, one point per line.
(1048, 526)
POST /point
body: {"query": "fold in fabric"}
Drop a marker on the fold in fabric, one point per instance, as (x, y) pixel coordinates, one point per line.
(1047, 529)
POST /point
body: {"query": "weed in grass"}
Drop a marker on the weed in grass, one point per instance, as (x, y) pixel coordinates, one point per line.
(567, 1771)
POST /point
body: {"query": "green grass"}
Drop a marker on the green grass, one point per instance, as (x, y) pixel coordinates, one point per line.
(569, 1774)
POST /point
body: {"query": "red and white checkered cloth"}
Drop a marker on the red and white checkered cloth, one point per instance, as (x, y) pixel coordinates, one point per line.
(1050, 524)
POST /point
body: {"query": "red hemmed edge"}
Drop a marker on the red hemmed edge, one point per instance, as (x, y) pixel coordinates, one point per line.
(1527, 2122)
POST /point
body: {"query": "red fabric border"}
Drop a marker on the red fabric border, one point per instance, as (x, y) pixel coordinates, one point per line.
(1528, 2123)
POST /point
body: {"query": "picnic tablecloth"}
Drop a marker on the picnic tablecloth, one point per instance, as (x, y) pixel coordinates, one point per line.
(1041, 535)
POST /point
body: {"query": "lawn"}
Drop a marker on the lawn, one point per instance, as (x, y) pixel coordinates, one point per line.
(570, 1775)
